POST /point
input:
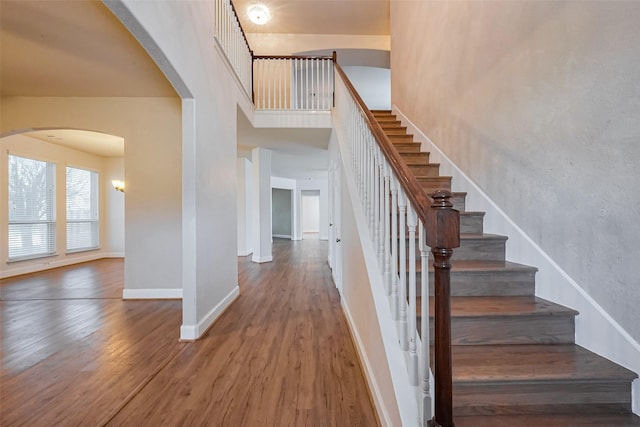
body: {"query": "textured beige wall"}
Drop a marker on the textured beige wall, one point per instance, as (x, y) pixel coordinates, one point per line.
(539, 103)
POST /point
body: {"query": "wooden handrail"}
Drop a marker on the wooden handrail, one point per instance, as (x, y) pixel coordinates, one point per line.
(244, 35)
(291, 57)
(442, 226)
(407, 179)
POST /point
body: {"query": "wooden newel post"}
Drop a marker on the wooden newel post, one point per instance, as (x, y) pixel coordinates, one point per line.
(443, 234)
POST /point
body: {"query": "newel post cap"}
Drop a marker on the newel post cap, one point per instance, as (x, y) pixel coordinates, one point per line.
(443, 222)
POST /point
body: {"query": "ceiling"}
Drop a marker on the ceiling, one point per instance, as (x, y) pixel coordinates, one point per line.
(97, 143)
(295, 153)
(76, 48)
(72, 48)
(362, 17)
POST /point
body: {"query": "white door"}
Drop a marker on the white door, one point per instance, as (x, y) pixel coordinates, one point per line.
(337, 227)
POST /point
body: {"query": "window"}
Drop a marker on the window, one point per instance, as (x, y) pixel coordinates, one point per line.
(32, 218)
(82, 210)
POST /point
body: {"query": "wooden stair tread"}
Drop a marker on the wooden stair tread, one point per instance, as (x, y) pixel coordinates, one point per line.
(503, 306)
(484, 236)
(513, 352)
(432, 178)
(480, 266)
(559, 420)
(472, 213)
(530, 363)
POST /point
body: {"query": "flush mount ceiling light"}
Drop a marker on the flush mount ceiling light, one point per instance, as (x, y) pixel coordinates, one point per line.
(258, 14)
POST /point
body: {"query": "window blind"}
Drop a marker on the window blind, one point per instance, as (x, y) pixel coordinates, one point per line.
(32, 220)
(82, 210)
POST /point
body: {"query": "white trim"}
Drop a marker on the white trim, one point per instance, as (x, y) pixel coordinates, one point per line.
(378, 401)
(596, 330)
(292, 119)
(404, 392)
(193, 332)
(282, 236)
(262, 259)
(152, 294)
(34, 268)
(245, 253)
(114, 255)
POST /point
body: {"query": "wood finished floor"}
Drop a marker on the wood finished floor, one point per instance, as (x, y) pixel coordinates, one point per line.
(74, 353)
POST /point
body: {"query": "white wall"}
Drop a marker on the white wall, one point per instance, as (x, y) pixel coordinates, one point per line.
(373, 85)
(245, 195)
(321, 185)
(191, 60)
(151, 129)
(25, 146)
(114, 169)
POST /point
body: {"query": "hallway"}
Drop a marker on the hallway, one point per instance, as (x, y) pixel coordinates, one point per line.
(74, 353)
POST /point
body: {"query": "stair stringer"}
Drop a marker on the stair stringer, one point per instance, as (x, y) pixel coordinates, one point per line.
(360, 263)
(596, 330)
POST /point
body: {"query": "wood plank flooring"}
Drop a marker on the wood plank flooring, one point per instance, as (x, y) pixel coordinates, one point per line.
(73, 353)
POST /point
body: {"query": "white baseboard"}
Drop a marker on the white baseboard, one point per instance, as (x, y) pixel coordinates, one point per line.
(245, 253)
(262, 259)
(596, 330)
(369, 373)
(48, 264)
(114, 255)
(152, 294)
(193, 332)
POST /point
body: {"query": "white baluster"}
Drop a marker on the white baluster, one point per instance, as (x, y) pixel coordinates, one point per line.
(413, 313)
(387, 229)
(369, 183)
(376, 206)
(363, 172)
(381, 211)
(394, 250)
(425, 338)
(402, 262)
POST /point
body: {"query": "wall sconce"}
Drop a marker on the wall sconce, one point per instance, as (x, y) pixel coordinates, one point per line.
(258, 14)
(118, 185)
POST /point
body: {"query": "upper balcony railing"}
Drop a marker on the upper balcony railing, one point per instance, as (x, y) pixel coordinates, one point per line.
(403, 222)
(293, 82)
(233, 41)
(274, 82)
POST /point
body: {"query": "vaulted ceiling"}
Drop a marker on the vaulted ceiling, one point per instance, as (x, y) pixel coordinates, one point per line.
(71, 48)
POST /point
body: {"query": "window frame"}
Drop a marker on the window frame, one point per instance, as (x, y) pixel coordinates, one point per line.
(51, 196)
(94, 222)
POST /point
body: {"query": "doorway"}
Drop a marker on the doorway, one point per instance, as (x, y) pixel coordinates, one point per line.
(281, 213)
(310, 214)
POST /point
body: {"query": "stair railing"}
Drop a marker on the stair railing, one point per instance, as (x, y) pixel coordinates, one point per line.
(273, 82)
(293, 82)
(401, 216)
(233, 41)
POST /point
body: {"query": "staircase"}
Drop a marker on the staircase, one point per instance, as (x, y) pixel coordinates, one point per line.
(515, 362)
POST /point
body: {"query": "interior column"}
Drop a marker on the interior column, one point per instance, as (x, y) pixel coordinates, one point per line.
(261, 209)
